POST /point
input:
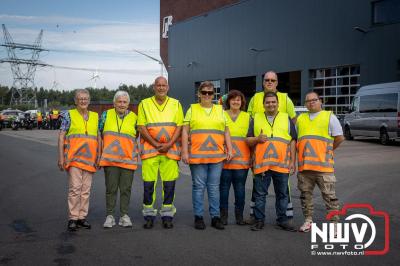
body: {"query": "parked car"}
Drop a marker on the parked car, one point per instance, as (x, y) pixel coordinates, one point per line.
(375, 112)
(9, 115)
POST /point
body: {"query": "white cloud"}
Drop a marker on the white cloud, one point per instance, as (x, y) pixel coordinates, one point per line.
(92, 44)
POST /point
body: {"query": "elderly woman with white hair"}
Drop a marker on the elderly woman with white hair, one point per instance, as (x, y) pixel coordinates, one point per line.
(77, 153)
(117, 135)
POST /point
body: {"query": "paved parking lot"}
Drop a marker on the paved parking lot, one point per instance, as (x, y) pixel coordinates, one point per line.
(33, 214)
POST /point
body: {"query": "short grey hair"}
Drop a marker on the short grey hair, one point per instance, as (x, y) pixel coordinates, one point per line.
(121, 94)
(81, 91)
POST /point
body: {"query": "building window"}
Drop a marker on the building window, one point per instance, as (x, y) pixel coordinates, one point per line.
(217, 89)
(385, 12)
(337, 86)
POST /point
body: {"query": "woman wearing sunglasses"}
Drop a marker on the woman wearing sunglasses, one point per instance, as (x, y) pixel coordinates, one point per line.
(235, 171)
(206, 143)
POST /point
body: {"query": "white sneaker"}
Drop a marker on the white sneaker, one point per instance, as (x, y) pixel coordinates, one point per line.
(125, 221)
(110, 222)
(306, 227)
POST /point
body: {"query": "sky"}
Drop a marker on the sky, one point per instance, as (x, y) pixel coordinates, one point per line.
(85, 34)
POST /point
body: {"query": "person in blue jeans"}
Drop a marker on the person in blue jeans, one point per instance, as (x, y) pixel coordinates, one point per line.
(205, 144)
(273, 136)
(235, 171)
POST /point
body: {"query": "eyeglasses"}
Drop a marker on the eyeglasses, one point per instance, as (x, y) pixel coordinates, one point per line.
(207, 93)
(312, 100)
(270, 80)
(83, 99)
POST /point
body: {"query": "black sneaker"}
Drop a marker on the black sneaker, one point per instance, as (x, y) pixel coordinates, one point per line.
(72, 226)
(167, 223)
(149, 224)
(287, 226)
(83, 223)
(259, 225)
(217, 223)
(199, 223)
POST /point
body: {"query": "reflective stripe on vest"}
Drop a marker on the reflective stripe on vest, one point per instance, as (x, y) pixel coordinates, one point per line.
(274, 154)
(315, 145)
(241, 151)
(119, 148)
(80, 149)
(207, 135)
(161, 127)
(258, 104)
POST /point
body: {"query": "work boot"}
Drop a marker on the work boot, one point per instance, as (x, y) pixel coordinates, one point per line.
(199, 223)
(217, 224)
(251, 220)
(224, 216)
(149, 223)
(287, 225)
(72, 226)
(258, 225)
(239, 217)
(83, 223)
(167, 222)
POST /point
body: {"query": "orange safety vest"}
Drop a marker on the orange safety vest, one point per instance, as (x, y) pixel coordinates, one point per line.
(241, 151)
(207, 135)
(160, 128)
(39, 118)
(119, 141)
(54, 115)
(274, 154)
(315, 145)
(80, 144)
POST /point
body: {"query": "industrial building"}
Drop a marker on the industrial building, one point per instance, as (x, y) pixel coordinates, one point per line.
(331, 46)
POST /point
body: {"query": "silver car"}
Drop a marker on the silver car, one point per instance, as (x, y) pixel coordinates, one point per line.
(375, 112)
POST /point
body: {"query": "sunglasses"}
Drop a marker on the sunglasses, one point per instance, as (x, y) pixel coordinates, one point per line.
(207, 92)
(270, 80)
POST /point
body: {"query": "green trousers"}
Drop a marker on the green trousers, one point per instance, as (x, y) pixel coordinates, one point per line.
(118, 178)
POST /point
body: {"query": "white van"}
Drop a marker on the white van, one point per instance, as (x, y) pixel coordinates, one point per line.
(375, 112)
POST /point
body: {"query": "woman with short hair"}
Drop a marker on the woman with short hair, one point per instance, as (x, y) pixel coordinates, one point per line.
(77, 154)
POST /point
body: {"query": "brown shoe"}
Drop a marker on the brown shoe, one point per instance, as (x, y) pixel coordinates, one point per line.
(251, 220)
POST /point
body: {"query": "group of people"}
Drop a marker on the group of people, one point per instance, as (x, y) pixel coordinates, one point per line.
(220, 146)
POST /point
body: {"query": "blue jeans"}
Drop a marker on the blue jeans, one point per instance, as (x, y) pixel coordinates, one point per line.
(238, 179)
(261, 184)
(206, 176)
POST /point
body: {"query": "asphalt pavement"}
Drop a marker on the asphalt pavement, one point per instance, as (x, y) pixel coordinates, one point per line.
(33, 214)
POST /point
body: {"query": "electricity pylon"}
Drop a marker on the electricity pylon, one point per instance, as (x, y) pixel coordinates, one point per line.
(23, 69)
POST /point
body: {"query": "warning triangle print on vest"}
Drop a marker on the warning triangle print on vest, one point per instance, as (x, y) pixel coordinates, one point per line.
(84, 151)
(209, 145)
(309, 151)
(163, 133)
(237, 152)
(271, 152)
(115, 148)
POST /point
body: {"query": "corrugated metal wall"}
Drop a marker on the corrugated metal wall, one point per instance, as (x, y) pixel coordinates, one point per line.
(288, 36)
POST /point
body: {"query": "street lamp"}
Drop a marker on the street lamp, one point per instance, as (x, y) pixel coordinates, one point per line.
(154, 59)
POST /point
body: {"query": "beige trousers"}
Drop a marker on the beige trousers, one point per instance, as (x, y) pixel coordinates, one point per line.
(326, 183)
(80, 182)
